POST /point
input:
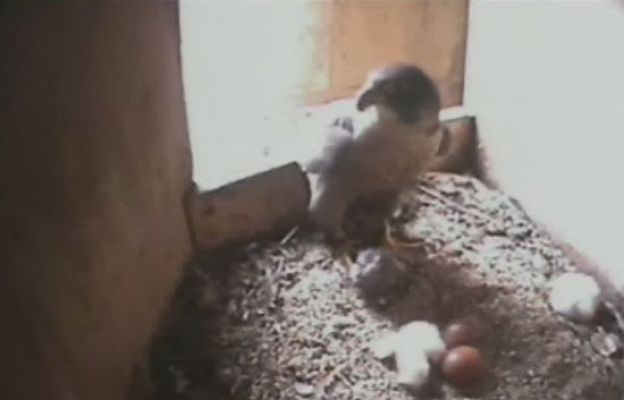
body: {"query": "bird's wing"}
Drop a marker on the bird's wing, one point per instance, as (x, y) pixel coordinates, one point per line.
(340, 137)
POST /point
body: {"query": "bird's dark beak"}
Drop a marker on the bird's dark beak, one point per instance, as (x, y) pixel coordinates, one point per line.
(368, 96)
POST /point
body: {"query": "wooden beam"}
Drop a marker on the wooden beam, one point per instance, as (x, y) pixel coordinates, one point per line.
(249, 208)
(461, 155)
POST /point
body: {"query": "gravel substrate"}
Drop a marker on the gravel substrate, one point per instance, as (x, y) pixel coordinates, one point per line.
(284, 320)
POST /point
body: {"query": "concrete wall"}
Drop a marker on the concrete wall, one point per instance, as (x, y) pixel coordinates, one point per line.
(94, 162)
(546, 81)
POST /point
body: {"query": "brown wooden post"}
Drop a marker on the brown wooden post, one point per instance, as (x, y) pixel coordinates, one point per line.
(95, 160)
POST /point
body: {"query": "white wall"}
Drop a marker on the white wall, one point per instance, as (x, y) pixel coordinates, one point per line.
(546, 81)
(243, 61)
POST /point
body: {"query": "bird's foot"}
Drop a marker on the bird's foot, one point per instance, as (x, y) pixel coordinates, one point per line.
(344, 248)
(389, 242)
(345, 123)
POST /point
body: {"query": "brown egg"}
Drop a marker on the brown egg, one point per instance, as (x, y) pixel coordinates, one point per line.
(463, 366)
(459, 334)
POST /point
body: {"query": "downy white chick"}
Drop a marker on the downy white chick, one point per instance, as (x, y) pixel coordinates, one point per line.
(414, 346)
(575, 296)
(385, 154)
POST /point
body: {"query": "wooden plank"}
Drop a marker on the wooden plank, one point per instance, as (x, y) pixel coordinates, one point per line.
(461, 154)
(249, 208)
(367, 34)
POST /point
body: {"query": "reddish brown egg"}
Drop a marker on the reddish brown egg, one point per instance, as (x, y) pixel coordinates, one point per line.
(464, 366)
(459, 334)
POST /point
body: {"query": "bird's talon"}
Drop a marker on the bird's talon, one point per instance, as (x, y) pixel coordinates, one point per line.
(344, 250)
(345, 123)
(389, 242)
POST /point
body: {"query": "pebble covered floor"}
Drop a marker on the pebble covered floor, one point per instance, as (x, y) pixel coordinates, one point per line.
(283, 320)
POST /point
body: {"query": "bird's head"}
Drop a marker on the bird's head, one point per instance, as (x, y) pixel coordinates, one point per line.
(403, 90)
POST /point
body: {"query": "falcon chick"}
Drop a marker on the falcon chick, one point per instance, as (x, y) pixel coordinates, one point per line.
(384, 154)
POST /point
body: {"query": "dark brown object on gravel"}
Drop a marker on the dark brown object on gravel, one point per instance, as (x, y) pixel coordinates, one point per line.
(464, 366)
(459, 334)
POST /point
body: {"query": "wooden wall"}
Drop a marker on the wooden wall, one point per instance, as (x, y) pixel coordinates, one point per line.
(357, 36)
(94, 160)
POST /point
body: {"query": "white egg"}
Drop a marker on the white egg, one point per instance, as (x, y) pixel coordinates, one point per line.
(575, 296)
